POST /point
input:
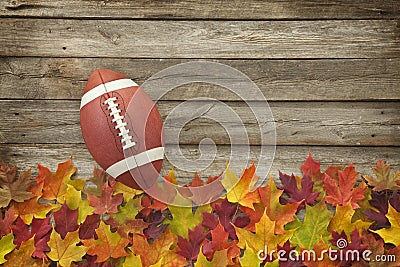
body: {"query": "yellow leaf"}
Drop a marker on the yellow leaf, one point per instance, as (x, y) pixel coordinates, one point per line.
(264, 236)
(65, 251)
(126, 191)
(74, 200)
(239, 189)
(249, 258)
(6, 245)
(392, 234)
(342, 221)
(220, 258)
(73, 197)
(132, 260)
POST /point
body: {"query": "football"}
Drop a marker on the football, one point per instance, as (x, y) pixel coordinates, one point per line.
(122, 128)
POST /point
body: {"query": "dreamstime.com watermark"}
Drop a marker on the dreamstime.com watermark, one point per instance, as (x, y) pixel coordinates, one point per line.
(341, 254)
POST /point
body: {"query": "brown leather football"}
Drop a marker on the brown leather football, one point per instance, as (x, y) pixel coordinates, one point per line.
(125, 144)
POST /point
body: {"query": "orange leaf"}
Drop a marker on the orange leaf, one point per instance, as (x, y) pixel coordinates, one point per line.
(340, 192)
(55, 184)
(152, 253)
(107, 244)
(281, 214)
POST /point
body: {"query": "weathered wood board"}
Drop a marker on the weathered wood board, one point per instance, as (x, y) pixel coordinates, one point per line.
(281, 80)
(310, 123)
(206, 9)
(199, 39)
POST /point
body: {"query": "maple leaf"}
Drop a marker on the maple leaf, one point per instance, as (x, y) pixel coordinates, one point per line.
(341, 192)
(314, 226)
(253, 216)
(220, 259)
(249, 258)
(376, 246)
(93, 186)
(12, 188)
(132, 260)
(88, 227)
(199, 194)
(288, 263)
(320, 248)
(107, 244)
(154, 228)
(226, 213)
(281, 214)
(41, 229)
(107, 203)
(30, 209)
(383, 180)
(263, 236)
(7, 221)
(379, 201)
(219, 241)
(239, 189)
(65, 220)
(73, 199)
(127, 192)
(342, 220)
(183, 216)
(289, 186)
(6, 245)
(22, 256)
(190, 248)
(354, 245)
(171, 259)
(313, 169)
(152, 253)
(55, 184)
(391, 235)
(65, 250)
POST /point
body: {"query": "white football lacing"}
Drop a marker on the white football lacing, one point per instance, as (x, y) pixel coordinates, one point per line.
(121, 125)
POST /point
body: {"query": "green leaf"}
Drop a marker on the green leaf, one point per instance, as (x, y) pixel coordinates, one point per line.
(314, 227)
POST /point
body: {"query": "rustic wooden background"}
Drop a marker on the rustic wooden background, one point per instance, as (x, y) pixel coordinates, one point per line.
(329, 69)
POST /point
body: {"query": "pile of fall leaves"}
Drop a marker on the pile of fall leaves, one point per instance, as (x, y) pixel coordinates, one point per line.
(57, 219)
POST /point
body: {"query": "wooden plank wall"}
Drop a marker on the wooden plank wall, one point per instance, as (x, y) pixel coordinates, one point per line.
(329, 69)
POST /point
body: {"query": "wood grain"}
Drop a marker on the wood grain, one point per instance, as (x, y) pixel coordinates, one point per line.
(199, 39)
(206, 9)
(305, 80)
(311, 123)
(287, 158)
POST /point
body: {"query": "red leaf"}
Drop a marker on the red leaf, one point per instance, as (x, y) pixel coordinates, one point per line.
(42, 230)
(65, 220)
(190, 248)
(107, 203)
(289, 185)
(219, 241)
(226, 211)
(21, 232)
(88, 227)
(340, 192)
(7, 221)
